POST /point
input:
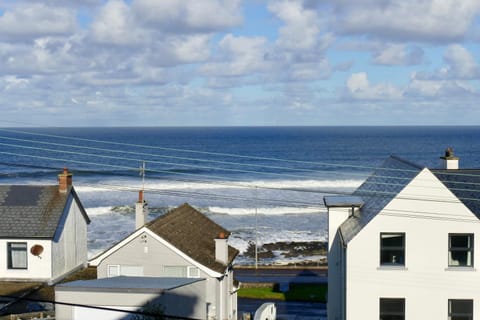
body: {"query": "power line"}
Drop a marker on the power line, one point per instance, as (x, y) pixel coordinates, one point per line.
(201, 152)
(143, 313)
(227, 162)
(220, 169)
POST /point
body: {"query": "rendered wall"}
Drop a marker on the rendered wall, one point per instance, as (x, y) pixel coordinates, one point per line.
(426, 282)
(38, 267)
(336, 216)
(186, 301)
(146, 251)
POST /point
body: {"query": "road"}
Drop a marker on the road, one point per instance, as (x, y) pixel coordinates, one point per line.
(286, 310)
(293, 275)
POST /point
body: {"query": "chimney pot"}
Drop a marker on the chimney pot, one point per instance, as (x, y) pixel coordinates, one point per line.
(449, 161)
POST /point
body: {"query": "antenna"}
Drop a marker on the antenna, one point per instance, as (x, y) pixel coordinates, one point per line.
(142, 174)
(256, 230)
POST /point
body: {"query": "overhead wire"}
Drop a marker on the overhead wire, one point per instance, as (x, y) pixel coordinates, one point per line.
(330, 192)
(136, 312)
(231, 155)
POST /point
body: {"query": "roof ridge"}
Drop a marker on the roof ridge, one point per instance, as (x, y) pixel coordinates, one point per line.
(405, 161)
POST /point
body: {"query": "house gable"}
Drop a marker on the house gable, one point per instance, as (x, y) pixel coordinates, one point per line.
(34, 211)
(377, 191)
(137, 236)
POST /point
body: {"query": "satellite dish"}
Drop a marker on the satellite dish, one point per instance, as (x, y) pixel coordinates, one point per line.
(36, 250)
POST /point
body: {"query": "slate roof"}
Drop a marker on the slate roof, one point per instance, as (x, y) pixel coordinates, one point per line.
(377, 191)
(464, 184)
(128, 284)
(192, 233)
(28, 211)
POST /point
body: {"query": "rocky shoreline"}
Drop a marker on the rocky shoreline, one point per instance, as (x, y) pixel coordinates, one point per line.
(299, 252)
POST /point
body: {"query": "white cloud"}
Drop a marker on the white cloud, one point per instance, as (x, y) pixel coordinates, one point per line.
(359, 88)
(461, 63)
(189, 15)
(238, 56)
(115, 25)
(26, 22)
(424, 20)
(398, 54)
(301, 29)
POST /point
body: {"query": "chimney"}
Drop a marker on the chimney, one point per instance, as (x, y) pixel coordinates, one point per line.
(141, 211)
(449, 161)
(221, 248)
(64, 181)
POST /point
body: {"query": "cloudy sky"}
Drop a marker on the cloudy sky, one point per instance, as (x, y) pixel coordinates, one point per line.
(234, 62)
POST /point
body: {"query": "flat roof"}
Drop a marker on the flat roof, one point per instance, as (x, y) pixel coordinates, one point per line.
(128, 284)
(343, 201)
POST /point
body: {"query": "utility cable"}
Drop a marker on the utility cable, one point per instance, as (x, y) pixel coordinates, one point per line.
(142, 313)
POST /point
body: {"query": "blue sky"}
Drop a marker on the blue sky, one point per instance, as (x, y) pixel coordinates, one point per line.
(233, 62)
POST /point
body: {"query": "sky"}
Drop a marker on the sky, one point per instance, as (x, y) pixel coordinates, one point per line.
(234, 63)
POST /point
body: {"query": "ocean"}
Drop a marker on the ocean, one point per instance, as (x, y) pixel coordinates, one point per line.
(264, 184)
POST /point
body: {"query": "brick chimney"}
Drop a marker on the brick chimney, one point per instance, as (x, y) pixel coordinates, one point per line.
(64, 180)
(221, 248)
(141, 211)
(449, 161)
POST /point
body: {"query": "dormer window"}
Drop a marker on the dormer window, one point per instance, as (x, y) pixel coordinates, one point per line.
(392, 249)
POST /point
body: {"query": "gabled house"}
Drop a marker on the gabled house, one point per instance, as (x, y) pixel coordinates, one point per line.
(43, 231)
(402, 246)
(182, 246)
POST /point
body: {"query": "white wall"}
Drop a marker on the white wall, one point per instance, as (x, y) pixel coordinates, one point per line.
(336, 216)
(426, 282)
(183, 301)
(146, 251)
(38, 268)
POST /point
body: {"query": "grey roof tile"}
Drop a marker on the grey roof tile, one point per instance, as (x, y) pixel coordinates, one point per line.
(32, 211)
(377, 191)
(464, 184)
(192, 233)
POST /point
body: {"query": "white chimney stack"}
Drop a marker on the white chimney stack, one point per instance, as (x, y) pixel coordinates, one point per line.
(221, 248)
(449, 161)
(141, 211)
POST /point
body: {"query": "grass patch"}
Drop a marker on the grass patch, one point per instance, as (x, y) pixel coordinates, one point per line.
(296, 292)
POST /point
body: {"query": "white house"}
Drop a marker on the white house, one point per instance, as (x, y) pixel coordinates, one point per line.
(43, 231)
(183, 245)
(403, 245)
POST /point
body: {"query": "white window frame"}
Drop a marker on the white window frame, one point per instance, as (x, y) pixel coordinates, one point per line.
(455, 316)
(110, 274)
(383, 249)
(193, 272)
(10, 258)
(469, 249)
(388, 314)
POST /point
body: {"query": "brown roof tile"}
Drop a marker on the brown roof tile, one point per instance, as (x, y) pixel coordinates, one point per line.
(192, 233)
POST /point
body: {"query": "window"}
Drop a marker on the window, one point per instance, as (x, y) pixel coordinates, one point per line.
(113, 270)
(392, 309)
(193, 272)
(392, 249)
(460, 309)
(17, 255)
(460, 250)
(175, 271)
